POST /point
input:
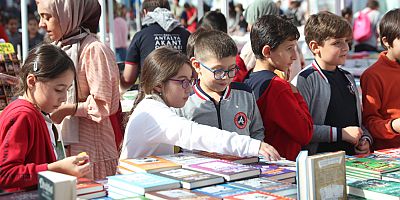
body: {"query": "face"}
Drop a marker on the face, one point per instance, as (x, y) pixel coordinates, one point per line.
(33, 26)
(55, 88)
(49, 23)
(173, 93)
(394, 51)
(283, 56)
(207, 81)
(13, 25)
(333, 52)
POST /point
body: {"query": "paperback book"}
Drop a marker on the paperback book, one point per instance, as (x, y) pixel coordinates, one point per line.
(267, 185)
(148, 164)
(232, 158)
(178, 194)
(375, 189)
(256, 195)
(274, 171)
(222, 190)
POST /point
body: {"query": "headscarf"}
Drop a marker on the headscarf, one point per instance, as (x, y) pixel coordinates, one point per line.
(259, 8)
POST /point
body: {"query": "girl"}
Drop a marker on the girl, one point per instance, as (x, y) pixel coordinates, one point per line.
(93, 126)
(27, 140)
(153, 128)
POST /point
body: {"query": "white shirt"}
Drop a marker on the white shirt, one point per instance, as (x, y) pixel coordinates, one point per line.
(153, 129)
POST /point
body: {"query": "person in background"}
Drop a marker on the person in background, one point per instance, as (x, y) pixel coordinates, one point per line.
(14, 36)
(35, 37)
(190, 22)
(90, 124)
(372, 10)
(120, 34)
(347, 13)
(29, 143)
(176, 9)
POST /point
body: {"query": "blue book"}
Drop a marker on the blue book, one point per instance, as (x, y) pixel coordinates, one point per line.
(141, 182)
(267, 185)
(222, 190)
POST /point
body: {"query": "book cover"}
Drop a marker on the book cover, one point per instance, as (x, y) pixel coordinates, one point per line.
(148, 164)
(274, 171)
(191, 179)
(371, 165)
(392, 152)
(232, 158)
(178, 194)
(123, 192)
(392, 176)
(222, 190)
(93, 195)
(85, 185)
(186, 158)
(142, 182)
(256, 195)
(229, 170)
(375, 189)
(53, 185)
(267, 185)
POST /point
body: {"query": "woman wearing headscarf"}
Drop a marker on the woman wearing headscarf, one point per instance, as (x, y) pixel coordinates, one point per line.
(86, 125)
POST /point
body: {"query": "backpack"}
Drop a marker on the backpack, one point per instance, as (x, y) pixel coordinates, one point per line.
(362, 30)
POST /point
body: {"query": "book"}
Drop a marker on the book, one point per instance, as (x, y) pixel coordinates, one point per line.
(253, 195)
(274, 171)
(375, 189)
(371, 166)
(123, 170)
(85, 185)
(266, 185)
(321, 176)
(177, 194)
(53, 185)
(229, 170)
(221, 190)
(392, 176)
(191, 179)
(186, 158)
(142, 182)
(123, 192)
(113, 196)
(148, 164)
(232, 158)
(93, 195)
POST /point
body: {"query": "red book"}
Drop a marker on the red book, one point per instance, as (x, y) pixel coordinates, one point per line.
(85, 186)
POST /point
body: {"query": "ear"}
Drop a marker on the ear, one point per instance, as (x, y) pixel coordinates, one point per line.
(195, 64)
(30, 81)
(314, 47)
(385, 42)
(158, 89)
(266, 51)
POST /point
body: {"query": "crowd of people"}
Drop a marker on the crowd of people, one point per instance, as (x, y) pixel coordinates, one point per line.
(197, 90)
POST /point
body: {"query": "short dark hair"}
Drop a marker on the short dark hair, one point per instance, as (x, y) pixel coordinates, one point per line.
(389, 26)
(214, 43)
(151, 5)
(373, 4)
(324, 25)
(213, 20)
(192, 41)
(271, 30)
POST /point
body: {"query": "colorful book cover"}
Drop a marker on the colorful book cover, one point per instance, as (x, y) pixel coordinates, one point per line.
(142, 182)
(190, 178)
(392, 152)
(186, 158)
(85, 185)
(256, 195)
(380, 157)
(177, 194)
(274, 171)
(232, 158)
(229, 170)
(222, 190)
(148, 164)
(371, 165)
(392, 176)
(267, 185)
(375, 189)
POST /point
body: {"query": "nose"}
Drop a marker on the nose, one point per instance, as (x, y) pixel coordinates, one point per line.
(41, 23)
(294, 55)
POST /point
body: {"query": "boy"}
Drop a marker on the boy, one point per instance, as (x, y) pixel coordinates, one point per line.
(287, 122)
(217, 101)
(329, 91)
(380, 86)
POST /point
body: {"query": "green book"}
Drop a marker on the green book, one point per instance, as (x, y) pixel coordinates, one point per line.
(375, 189)
(392, 176)
(370, 165)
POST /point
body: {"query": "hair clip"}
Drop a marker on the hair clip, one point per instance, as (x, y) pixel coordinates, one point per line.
(35, 66)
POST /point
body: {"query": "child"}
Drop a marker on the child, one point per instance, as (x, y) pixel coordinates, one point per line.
(153, 128)
(330, 91)
(216, 100)
(287, 122)
(27, 140)
(380, 86)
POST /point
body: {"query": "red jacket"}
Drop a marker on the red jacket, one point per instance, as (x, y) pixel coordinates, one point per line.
(25, 146)
(242, 73)
(287, 121)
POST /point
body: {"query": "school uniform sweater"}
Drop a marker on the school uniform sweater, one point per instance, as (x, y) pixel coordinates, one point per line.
(236, 111)
(25, 146)
(287, 122)
(381, 102)
(316, 90)
(153, 129)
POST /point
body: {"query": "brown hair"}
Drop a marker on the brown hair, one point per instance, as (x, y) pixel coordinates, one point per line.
(214, 43)
(324, 25)
(150, 5)
(389, 27)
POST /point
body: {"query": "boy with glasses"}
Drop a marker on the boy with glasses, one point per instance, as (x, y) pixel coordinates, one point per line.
(217, 101)
(288, 124)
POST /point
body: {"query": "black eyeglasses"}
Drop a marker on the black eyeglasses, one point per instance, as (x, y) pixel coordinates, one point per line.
(184, 82)
(220, 73)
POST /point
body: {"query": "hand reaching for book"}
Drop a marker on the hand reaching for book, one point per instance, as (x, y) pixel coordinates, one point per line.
(269, 152)
(74, 165)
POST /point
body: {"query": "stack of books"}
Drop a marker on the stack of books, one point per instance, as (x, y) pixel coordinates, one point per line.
(267, 185)
(257, 195)
(375, 189)
(231, 158)
(367, 168)
(148, 164)
(177, 194)
(222, 190)
(186, 158)
(276, 172)
(89, 189)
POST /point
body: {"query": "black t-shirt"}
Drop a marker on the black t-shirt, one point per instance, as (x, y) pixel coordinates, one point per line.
(153, 37)
(342, 110)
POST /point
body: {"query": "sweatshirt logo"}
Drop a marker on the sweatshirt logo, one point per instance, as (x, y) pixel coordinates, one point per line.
(240, 120)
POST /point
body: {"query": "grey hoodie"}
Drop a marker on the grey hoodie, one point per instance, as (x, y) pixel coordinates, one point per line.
(163, 17)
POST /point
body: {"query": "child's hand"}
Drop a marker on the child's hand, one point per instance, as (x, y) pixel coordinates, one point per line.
(352, 134)
(61, 112)
(81, 154)
(71, 166)
(363, 147)
(269, 152)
